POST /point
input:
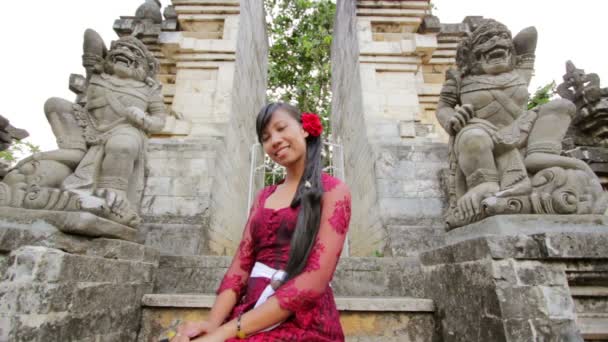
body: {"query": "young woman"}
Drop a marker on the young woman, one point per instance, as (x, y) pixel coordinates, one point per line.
(277, 287)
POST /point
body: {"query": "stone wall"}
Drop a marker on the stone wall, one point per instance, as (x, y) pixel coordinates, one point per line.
(177, 196)
(349, 125)
(248, 95)
(213, 70)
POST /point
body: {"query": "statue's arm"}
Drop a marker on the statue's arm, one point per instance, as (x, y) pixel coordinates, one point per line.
(155, 120)
(525, 49)
(444, 113)
(152, 119)
(446, 108)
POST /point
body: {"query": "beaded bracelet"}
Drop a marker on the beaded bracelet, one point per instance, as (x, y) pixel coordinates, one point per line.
(240, 334)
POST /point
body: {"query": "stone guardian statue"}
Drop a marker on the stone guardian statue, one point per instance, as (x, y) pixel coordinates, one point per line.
(99, 166)
(505, 158)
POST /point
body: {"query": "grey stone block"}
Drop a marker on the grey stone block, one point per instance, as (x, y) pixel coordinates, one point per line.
(378, 277)
(531, 281)
(122, 250)
(73, 222)
(35, 297)
(430, 24)
(419, 188)
(89, 297)
(411, 211)
(69, 327)
(190, 274)
(587, 245)
(175, 209)
(49, 295)
(532, 273)
(411, 240)
(41, 264)
(353, 277)
(510, 225)
(174, 239)
(11, 238)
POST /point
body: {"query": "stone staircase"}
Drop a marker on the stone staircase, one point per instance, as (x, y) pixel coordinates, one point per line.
(379, 299)
(383, 319)
(591, 305)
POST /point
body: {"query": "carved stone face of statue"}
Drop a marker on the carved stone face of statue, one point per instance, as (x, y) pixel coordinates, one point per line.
(493, 49)
(127, 60)
(489, 50)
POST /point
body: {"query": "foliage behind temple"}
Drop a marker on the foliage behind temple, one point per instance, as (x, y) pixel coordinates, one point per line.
(300, 34)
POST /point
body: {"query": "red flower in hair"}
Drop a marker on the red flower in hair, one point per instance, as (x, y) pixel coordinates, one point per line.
(312, 124)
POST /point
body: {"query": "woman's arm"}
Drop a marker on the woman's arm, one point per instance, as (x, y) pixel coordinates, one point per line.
(264, 316)
(302, 291)
(222, 306)
(232, 284)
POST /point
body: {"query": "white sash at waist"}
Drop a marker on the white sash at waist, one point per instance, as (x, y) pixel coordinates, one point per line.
(261, 270)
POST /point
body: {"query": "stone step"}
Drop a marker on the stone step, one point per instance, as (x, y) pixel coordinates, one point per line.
(355, 276)
(591, 303)
(378, 319)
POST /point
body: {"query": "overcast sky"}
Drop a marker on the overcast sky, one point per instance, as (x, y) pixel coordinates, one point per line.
(42, 44)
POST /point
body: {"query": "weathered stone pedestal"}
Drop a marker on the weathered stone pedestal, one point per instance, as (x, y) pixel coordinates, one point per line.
(56, 286)
(522, 278)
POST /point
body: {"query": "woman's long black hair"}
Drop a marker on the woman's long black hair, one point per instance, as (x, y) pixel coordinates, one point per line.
(309, 217)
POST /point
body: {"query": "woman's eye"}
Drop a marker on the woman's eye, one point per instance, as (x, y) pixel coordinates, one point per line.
(281, 128)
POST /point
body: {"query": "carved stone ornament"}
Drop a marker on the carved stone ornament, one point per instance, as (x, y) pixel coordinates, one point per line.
(590, 125)
(504, 158)
(99, 166)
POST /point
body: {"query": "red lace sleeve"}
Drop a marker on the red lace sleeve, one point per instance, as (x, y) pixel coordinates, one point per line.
(302, 291)
(238, 273)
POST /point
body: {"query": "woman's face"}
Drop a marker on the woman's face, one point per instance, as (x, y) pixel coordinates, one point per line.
(283, 139)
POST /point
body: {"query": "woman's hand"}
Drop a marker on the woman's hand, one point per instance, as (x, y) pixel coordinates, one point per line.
(212, 337)
(180, 338)
(220, 334)
(189, 330)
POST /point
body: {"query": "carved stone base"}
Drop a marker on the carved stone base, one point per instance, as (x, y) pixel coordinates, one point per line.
(78, 223)
(58, 282)
(512, 225)
(50, 295)
(522, 278)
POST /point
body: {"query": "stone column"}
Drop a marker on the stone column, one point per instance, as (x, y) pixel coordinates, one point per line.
(388, 63)
(213, 69)
(149, 30)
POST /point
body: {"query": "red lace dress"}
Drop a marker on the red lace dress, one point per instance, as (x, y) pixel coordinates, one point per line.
(308, 296)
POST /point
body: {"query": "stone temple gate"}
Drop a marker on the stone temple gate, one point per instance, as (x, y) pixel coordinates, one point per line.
(73, 270)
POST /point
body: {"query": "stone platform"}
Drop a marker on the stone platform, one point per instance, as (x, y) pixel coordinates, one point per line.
(57, 286)
(46, 222)
(522, 278)
(378, 319)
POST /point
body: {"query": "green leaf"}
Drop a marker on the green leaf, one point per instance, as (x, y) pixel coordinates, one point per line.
(542, 95)
(299, 62)
(18, 149)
